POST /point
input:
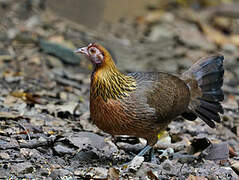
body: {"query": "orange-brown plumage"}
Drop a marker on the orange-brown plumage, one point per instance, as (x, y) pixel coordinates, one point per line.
(143, 104)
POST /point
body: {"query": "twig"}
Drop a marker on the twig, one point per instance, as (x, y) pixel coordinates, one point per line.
(25, 129)
(11, 161)
(35, 144)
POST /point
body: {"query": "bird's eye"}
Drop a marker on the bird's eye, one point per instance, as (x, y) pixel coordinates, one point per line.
(92, 50)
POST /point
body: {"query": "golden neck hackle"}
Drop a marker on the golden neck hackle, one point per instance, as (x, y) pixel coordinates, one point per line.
(109, 83)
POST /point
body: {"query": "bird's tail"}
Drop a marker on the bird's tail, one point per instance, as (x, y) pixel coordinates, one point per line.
(205, 79)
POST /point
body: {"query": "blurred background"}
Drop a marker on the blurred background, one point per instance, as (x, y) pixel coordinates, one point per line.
(42, 81)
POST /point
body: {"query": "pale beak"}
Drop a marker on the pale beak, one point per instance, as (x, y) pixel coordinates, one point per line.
(82, 50)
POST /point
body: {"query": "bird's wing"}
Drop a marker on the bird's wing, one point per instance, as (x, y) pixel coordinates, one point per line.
(163, 94)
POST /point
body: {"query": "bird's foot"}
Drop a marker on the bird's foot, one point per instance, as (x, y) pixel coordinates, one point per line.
(133, 165)
(166, 153)
(138, 159)
(152, 156)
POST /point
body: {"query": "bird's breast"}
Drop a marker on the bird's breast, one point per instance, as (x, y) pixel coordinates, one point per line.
(110, 116)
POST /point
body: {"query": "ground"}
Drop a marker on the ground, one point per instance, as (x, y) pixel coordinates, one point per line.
(45, 127)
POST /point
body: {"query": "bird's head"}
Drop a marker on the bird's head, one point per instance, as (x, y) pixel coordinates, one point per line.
(97, 54)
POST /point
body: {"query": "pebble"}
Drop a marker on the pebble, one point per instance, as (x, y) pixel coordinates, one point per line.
(61, 174)
(4, 155)
(136, 163)
(62, 149)
(23, 168)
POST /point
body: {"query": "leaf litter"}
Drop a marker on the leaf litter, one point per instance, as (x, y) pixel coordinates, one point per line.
(45, 126)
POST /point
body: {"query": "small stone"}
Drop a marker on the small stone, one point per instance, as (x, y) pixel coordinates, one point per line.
(86, 140)
(4, 155)
(235, 166)
(61, 149)
(229, 48)
(44, 172)
(97, 173)
(22, 168)
(61, 174)
(5, 57)
(160, 33)
(113, 173)
(63, 96)
(42, 139)
(32, 22)
(54, 62)
(136, 163)
(24, 152)
(167, 166)
(77, 172)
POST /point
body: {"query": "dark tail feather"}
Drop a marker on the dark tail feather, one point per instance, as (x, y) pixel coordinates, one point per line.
(206, 96)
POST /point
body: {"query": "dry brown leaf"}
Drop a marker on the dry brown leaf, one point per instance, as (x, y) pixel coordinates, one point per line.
(27, 97)
(10, 115)
(192, 177)
(235, 39)
(232, 152)
(222, 22)
(61, 40)
(152, 176)
(113, 174)
(214, 35)
(235, 166)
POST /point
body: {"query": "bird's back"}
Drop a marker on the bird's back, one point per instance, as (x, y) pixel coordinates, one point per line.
(167, 95)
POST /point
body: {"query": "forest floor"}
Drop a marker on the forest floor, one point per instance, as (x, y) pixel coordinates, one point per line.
(45, 128)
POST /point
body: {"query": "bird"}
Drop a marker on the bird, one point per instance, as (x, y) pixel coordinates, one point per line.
(142, 104)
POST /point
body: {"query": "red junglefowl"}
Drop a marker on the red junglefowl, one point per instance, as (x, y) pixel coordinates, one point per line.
(142, 104)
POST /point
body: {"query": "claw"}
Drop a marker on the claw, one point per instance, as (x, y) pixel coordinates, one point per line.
(166, 153)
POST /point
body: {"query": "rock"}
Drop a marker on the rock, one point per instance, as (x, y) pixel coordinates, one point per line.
(142, 173)
(61, 174)
(32, 22)
(235, 166)
(186, 158)
(24, 152)
(113, 174)
(230, 48)
(192, 177)
(4, 155)
(198, 40)
(219, 172)
(54, 62)
(12, 32)
(23, 168)
(11, 143)
(5, 57)
(135, 164)
(61, 149)
(160, 33)
(85, 156)
(94, 172)
(88, 140)
(218, 151)
(65, 54)
(44, 172)
(77, 172)
(86, 124)
(168, 167)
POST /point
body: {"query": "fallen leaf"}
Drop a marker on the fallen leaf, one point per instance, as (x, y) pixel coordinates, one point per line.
(214, 35)
(192, 177)
(152, 176)
(27, 97)
(113, 174)
(235, 39)
(232, 152)
(218, 151)
(235, 166)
